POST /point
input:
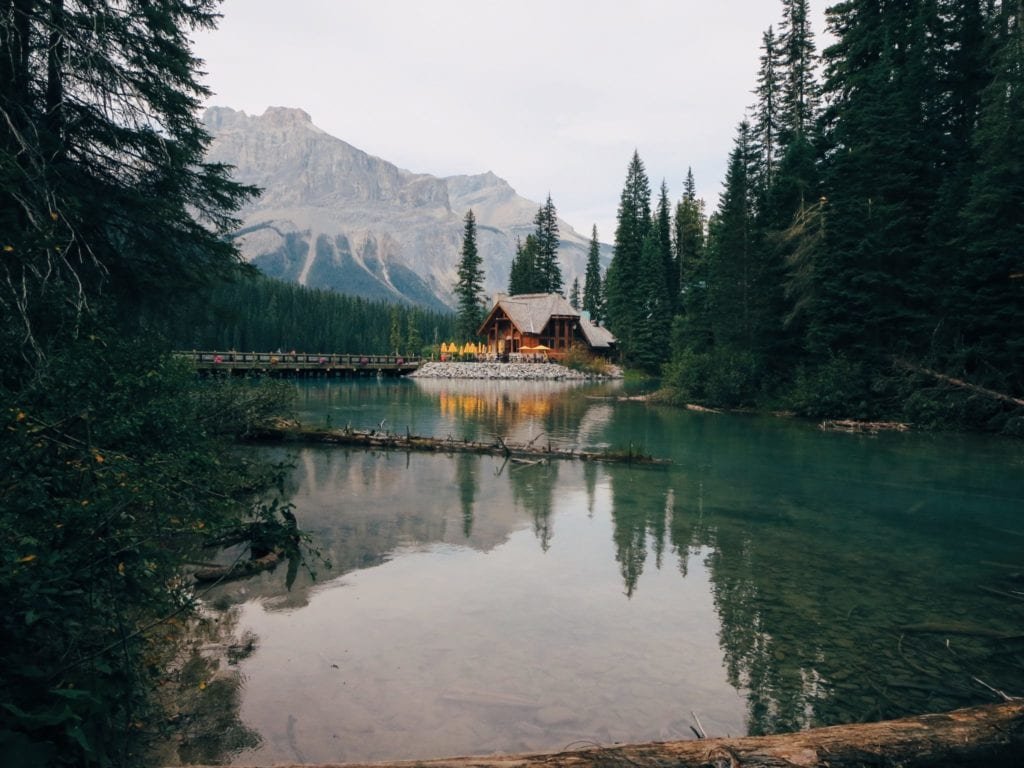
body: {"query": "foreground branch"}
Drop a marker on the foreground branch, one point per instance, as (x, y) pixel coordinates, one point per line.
(992, 734)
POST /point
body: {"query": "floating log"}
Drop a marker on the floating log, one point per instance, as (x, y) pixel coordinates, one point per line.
(856, 425)
(386, 440)
(991, 734)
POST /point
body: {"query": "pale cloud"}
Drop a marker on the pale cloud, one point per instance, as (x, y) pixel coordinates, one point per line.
(553, 96)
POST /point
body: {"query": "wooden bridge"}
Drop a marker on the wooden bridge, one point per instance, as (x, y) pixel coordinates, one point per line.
(299, 364)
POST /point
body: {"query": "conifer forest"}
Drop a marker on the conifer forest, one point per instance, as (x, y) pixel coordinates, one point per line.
(865, 260)
(866, 257)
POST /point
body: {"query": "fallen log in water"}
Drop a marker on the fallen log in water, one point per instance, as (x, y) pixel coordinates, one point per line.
(856, 425)
(391, 441)
(241, 569)
(991, 734)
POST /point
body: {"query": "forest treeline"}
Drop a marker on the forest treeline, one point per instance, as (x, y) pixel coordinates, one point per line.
(263, 314)
(866, 258)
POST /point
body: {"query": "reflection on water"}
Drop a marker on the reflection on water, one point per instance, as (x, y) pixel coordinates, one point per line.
(774, 578)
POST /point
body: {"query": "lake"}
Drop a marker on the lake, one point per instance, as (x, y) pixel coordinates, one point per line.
(775, 577)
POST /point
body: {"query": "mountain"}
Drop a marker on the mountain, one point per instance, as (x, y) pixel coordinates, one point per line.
(332, 216)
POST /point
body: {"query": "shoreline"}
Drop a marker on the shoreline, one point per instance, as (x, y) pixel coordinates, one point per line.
(546, 371)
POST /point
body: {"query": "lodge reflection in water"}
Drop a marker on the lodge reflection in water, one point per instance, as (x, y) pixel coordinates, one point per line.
(814, 576)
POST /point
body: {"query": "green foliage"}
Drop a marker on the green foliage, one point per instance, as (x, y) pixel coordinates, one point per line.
(115, 466)
(722, 377)
(886, 225)
(593, 296)
(263, 314)
(105, 187)
(548, 269)
(469, 289)
(835, 386)
(622, 283)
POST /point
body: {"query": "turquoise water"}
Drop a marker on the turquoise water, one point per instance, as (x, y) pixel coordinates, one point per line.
(775, 577)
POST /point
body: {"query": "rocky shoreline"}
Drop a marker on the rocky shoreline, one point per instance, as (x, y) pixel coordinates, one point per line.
(513, 371)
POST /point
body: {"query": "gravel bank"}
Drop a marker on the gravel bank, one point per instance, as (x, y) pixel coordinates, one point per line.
(515, 371)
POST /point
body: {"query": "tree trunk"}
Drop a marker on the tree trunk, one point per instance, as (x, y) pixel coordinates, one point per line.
(989, 735)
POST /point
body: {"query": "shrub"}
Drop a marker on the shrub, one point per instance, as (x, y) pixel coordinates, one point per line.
(113, 467)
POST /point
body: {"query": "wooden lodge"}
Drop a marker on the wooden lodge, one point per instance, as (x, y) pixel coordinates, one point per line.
(541, 323)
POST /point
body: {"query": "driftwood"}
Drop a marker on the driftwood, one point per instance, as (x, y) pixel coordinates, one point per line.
(387, 440)
(989, 735)
(856, 425)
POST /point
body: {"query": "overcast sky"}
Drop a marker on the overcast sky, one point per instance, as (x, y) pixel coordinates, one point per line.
(551, 95)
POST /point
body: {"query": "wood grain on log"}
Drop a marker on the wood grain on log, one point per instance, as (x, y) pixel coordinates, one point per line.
(988, 735)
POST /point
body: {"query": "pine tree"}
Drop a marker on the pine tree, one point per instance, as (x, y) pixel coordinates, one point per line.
(879, 180)
(593, 299)
(550, 273)
(525, 276)
(655, 316)
(987, 307)
(574, 294)
(798, 60)
(690, 230)
(669, 271)
(395, 331)
(413, 335)
(622, 283)
(734, 287)
(104, 185)
(766, 109)
(469, 290)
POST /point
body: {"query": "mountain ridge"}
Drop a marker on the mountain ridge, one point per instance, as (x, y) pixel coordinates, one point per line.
(333, 216)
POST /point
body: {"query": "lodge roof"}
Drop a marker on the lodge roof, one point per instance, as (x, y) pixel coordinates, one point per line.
(598, 337)
(530, 312)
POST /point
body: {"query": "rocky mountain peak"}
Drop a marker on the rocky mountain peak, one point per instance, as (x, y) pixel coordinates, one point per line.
(332, 216)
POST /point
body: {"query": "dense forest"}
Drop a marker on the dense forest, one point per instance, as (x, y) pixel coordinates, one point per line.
(115, 462)
(866, 257)
(263, 314)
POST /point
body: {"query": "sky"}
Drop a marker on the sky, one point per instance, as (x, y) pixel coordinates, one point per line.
(551, 95)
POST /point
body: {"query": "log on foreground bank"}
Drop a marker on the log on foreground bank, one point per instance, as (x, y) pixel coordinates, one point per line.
(372, 439)
(990, 735)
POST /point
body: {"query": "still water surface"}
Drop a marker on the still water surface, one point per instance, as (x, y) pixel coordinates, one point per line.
(775, 577)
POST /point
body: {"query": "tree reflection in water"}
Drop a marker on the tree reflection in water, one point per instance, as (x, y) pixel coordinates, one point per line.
(828, 558)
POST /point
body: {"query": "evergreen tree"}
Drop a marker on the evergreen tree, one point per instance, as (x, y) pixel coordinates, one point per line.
(622, 282)
(733, 273)
(798, 61)
(550, 273)
(592, 294)
(669, 270)
(469, 289)
(766, 109)
(987, 308)
(655, 316)
(395, 332)
(879, 180)
(105, 187)
(574, 294)
(525, 276)
(413, 335)
(690, 228)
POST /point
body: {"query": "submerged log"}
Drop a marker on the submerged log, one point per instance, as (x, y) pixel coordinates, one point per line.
(387, 440)
(857, 425)
(991, 734)
(240, 569)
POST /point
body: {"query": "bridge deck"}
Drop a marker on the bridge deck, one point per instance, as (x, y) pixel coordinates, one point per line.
(299, 364)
